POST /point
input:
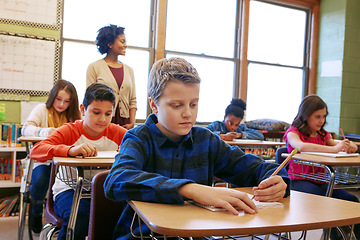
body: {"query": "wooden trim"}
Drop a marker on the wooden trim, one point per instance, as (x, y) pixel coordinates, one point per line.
(160, 29)
(314, 47)
(244, 49)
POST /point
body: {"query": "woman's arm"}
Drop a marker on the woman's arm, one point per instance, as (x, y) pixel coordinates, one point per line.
(132, 119)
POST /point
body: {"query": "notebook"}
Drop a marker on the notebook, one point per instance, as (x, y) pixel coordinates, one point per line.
(337, 155)
(247, 141)
(258, 204)
(105, 154)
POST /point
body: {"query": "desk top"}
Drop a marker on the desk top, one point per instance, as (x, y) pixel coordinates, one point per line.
(332, 161)
(302, 211)
(83, 162)
(31, 139)
(246, 142)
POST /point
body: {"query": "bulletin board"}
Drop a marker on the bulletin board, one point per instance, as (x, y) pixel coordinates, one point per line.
(27, 64)
(34, 13)
(29, 61)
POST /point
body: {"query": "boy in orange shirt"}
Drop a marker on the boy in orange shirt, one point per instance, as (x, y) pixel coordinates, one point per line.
(81, 138)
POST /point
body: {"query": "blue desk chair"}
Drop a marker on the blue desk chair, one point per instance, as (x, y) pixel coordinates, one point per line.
(278, 158)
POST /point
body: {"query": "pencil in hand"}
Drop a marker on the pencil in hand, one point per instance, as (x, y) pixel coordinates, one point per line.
(342, 132)
(231, 130)
(293, 152)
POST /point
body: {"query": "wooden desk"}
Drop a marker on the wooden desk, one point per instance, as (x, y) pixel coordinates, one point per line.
(80, 182)
(338, 172)
(25, 185)
(302, 211)
(245, 142)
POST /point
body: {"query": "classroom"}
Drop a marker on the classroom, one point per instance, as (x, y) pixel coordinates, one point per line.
(270, 53)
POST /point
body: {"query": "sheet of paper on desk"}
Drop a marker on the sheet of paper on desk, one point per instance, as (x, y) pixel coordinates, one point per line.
(258, 204)
(105, 154)
(246, 141)
(339, 154)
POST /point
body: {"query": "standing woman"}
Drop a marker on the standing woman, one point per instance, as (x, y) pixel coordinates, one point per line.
(62, 106)
(117, 75)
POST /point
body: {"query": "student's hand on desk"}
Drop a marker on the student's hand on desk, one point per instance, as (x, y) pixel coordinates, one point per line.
(271, 189)
(229, 136)
(219, 197)
(343, 146)
(85, 150)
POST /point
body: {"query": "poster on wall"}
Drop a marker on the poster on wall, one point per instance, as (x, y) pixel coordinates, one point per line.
(26, 63)
(39, 11)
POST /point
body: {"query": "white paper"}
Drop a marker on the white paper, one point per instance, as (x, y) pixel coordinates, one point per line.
(337, 155)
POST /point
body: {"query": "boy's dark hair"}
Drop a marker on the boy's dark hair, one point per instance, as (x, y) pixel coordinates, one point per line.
(107, 35)
(72, 112)
(236, 108)
(308, 106)
(167, 70)
(98, 92)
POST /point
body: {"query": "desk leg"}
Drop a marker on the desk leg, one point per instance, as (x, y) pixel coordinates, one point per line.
(331, 173)
(75, 204)
(24, 200)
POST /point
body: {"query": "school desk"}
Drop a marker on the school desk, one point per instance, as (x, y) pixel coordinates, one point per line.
(339, 172)
(25, 185)
(250, 142)
(301, 211)
(77, 173)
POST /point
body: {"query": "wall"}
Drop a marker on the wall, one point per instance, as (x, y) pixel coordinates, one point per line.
(339, 63)
(11, 101)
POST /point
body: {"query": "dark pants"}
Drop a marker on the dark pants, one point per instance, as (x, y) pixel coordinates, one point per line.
(62, 207)
(39, 185)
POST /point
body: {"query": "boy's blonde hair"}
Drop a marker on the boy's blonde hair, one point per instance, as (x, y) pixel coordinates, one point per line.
(167, 70)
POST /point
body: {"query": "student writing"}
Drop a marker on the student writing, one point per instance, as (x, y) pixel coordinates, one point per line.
(307, 133)
(62, 106)
(168, 160)
(231, 127)
(81, 138)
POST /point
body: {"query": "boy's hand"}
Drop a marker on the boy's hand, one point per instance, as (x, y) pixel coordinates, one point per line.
(219, 197)
(271, 189)
(85, 150)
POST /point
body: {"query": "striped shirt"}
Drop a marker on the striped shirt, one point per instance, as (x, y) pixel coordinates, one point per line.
(151, 167)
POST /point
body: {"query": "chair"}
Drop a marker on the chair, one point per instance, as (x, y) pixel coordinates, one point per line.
(278, 158)
(104, 213)
(54, 221)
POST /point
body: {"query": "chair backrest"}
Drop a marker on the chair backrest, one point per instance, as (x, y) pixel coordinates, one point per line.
(104, 213)
(278, 158)
(50, 215)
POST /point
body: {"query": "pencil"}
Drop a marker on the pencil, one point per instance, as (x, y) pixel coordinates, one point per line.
(342, 132)
(230, 126)
(293, 152)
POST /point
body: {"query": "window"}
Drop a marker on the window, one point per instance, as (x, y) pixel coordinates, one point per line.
(206, 37)
(277, 61)
(80, 28)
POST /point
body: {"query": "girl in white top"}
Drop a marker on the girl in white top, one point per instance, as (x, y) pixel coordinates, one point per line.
(62, 106)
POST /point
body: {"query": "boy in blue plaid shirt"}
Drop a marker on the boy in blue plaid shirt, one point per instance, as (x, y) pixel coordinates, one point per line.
(168, 160)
